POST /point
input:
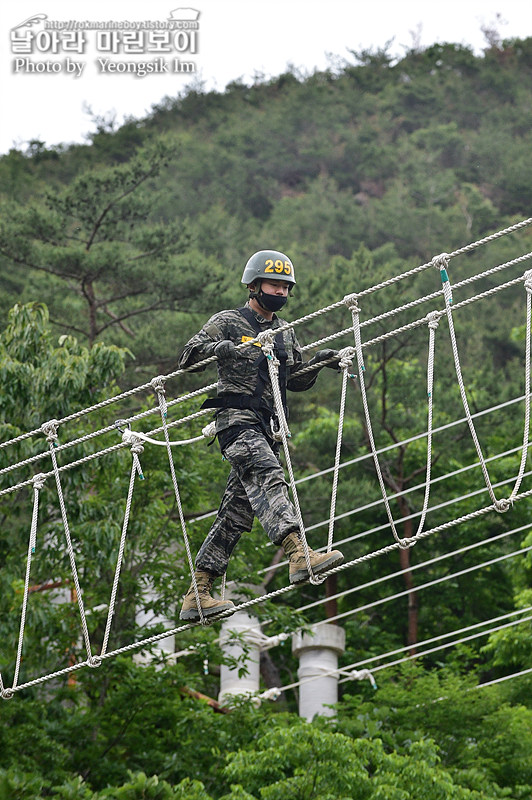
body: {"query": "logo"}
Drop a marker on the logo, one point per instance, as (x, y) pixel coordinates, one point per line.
(44, 45)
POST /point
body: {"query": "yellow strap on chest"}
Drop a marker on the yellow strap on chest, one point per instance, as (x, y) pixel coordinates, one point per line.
(250, 339)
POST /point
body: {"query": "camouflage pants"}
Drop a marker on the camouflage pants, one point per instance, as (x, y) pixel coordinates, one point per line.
(256, 487)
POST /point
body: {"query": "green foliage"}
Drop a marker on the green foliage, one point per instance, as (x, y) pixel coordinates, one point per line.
(305, 761)
(360, 172)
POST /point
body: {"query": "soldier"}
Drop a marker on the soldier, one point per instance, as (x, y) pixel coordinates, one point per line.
(246, 424)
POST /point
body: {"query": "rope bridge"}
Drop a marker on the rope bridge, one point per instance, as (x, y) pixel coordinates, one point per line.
(349, 356)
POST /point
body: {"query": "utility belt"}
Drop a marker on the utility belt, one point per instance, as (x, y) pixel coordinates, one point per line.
(244, 401)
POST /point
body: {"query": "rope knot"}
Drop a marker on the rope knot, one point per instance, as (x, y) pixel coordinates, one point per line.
(351, 301)
(38, 481)
(361, 675)
(158, 384)
(50, 430)
(128, 437)
(7, 694)
(502, 505)
(346, 357)
(528, 281)
(441, 261)
(433, 319)
(94, 661)
(270, 694)
(406, 544)
(209, 430)
(266, 340)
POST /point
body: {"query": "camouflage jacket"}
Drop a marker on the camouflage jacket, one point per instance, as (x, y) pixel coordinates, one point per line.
(240, 375)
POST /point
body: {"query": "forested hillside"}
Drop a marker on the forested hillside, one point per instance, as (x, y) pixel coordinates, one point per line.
(112, 254)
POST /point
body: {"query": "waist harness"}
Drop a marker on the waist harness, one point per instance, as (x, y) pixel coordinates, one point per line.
(255, 401)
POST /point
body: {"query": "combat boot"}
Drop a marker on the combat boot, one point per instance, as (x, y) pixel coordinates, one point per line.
(209, 606)
(320, 562)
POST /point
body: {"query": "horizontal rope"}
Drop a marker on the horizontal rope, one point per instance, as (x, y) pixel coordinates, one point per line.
(497, 505)
(357, 664)
(286, 326)
(377, 340)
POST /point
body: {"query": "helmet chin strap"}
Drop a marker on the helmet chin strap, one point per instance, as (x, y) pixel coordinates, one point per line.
(254, 293)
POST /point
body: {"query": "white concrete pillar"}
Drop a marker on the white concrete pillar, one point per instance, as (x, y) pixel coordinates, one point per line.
(146, 619)
(231, 683)
(318, 653)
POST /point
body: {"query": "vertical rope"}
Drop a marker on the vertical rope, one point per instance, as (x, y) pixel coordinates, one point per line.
(526, 432)
(158, 385)
(136, 450)
(345, 364)
(38, 483)
(433, 321)
(441, 262)
(50, 431)
(266, 340)
(352, 303)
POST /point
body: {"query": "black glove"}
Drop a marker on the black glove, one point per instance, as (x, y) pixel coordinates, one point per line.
(225, 350)
(327, 355)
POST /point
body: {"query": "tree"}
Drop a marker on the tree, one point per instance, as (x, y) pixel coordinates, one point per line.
(95, 252)
(42, 380)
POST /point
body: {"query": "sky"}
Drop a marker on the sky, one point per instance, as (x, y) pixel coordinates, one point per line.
(55, 81)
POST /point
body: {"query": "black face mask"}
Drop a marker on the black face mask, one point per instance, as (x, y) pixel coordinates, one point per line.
(271, 302)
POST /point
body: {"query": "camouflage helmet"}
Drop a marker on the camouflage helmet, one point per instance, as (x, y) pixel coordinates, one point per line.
(269, 265)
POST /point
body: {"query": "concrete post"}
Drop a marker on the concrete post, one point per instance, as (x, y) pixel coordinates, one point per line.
(231, 683)
(146, 618)
(318, 653)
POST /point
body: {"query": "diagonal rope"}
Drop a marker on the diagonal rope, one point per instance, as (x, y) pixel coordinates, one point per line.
(163, 405)
(136, 469)
(345, 364)
(38, 483)
(432, 321)
(266, 339)
(526, 431)
(5, 693)
(442, 262)
(158, 385)
(50, 431)
(389, 282)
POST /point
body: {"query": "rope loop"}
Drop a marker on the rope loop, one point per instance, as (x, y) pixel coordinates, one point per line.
(433, 319)
(50, 430)
(503, 505)
(94, 662)
(7, 694)
(528, 281)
